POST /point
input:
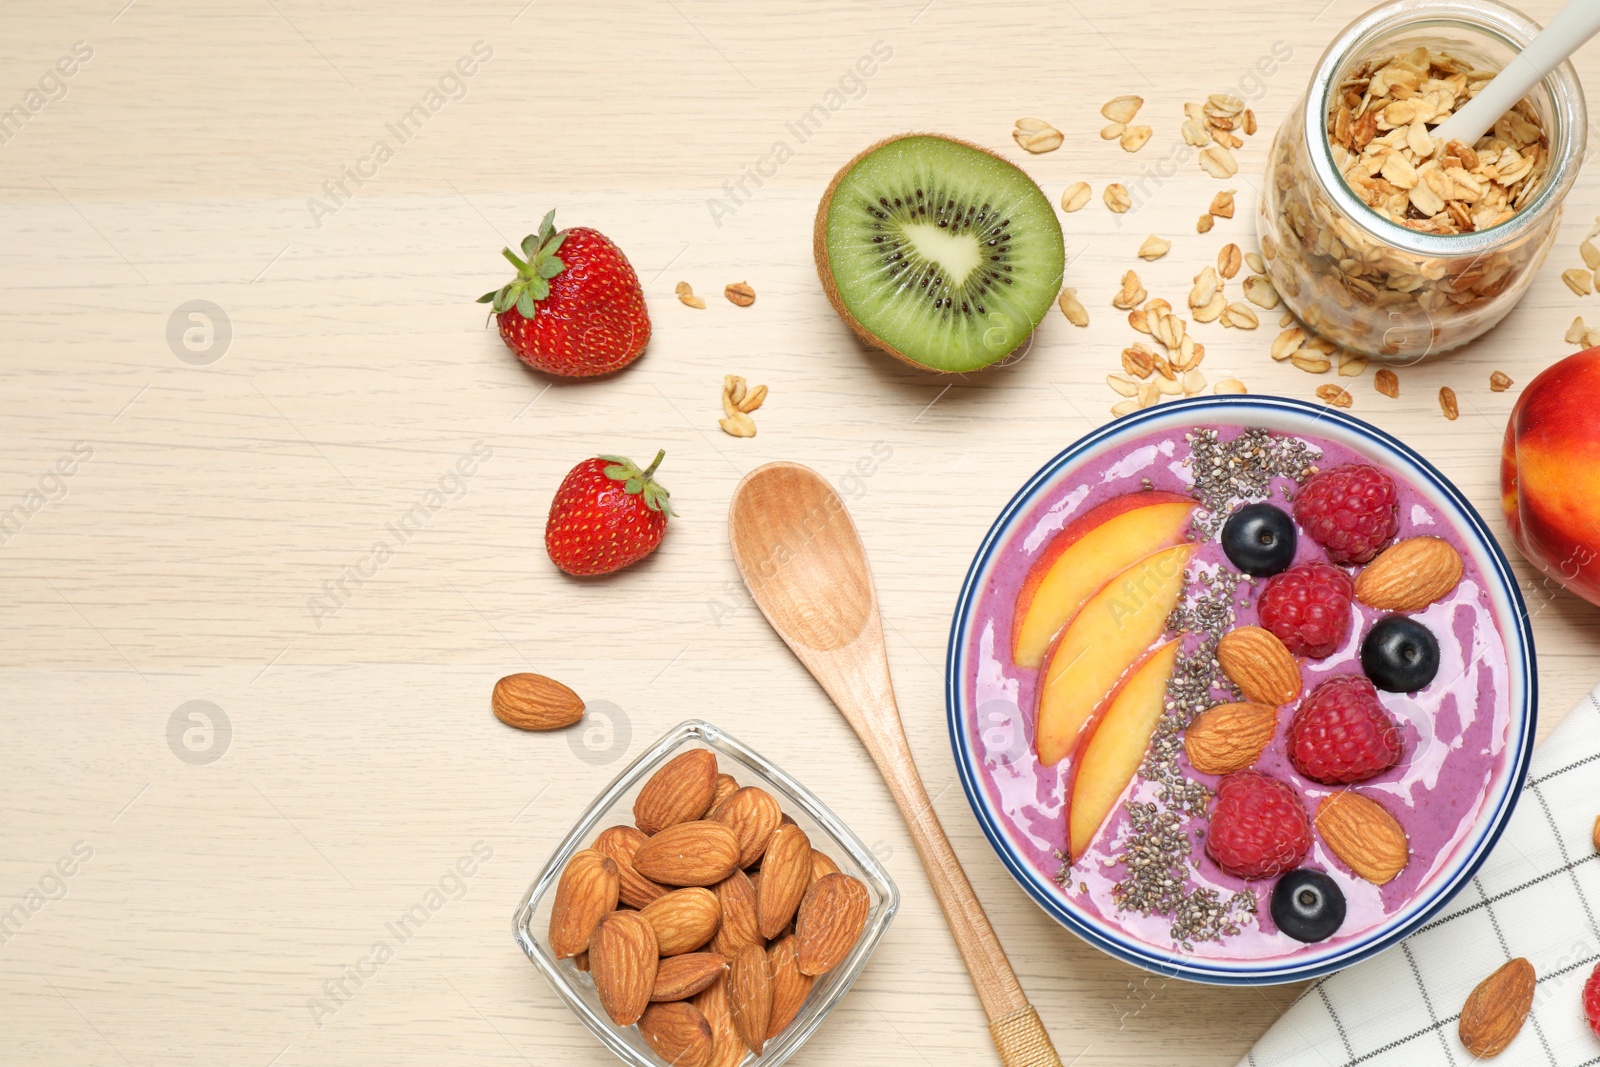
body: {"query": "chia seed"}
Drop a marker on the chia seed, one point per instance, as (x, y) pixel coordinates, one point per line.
(1158, 852)
(1228, 472)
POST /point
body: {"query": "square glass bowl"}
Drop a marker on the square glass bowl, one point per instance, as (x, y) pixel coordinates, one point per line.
(614, 806)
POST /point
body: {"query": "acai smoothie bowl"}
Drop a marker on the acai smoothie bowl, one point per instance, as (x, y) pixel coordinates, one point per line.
(1241, 689)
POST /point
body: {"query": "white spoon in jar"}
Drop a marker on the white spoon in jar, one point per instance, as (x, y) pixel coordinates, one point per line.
(1567, 32)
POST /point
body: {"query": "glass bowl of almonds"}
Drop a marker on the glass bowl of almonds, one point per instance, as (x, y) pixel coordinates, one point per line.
(706, 910)
(1392, 245)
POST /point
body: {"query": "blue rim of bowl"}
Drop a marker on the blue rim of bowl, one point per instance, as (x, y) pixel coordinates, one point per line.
(1234, 410)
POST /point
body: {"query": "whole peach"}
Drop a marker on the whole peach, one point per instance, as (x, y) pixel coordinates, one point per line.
(1550, 473)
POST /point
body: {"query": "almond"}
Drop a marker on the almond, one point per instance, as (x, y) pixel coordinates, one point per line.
(689, 853)
(1496, 1008)
(683, 920)
(832, 916)
(726, 1048)
(727, 785)
(1409, 575)
(822, 863)
(534, 702)
(750, 996)
(790, 986)
(680, 791)
(737, 897)
(678, 1033)
(754, 817)
(785, 874)
(681, 977)
(623, 960)
(620, 843)
(1259, 665)
(1229, 737)
(586, 893)
(1364, 835)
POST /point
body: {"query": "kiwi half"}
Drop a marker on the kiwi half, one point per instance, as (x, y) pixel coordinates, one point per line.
(937, 251)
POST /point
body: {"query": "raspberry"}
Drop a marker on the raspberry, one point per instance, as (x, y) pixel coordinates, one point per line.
(1308, 608)
(1591, 1000)
(1351, 511)
(1342, 734)
(1259, 827)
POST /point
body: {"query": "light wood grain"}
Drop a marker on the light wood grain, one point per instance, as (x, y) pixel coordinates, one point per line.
(803, 562)
(220, 499)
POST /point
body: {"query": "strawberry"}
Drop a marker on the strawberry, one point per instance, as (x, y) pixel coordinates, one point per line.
(606, 514)
(575, 307)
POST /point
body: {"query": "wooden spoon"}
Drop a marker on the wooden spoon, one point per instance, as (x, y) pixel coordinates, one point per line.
(804, 563)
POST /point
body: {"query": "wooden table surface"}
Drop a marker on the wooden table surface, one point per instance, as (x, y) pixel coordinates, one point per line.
(229, 529)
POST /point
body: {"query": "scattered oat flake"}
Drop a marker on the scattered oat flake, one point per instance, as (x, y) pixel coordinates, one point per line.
(1075, 196)
(1310, 362)
(1138, 361)
(1499, 381)
(753, 399)
(686, 296)
(1229, 385)
(1581, 282)
(1249, 124)
(1124, 407)
(740, 293)
(1591, 254)
(1112, 132)
(1351, 364)
(1205, 223)
(1222, 204)
(1447, 403)
(1240, 316)
(1117, 198)
(1254, 261)
(1387, 382)
(1135, 137)
(1229, 260)
(1072, 308)
(1036, 136)
(1154, 247)
(1288, 343)
(1577, 332)
(1218, 162)
(1122, 108)
(1122, 386)
(1286, 319)
(1260, 292)
(1335, 396)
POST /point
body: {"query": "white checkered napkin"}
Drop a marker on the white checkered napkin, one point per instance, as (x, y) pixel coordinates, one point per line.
(1537, 895)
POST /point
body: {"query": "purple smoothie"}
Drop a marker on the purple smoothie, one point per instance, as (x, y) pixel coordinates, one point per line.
(1455, 728)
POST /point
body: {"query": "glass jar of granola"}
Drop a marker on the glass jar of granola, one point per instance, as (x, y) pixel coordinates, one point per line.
(1386, 243)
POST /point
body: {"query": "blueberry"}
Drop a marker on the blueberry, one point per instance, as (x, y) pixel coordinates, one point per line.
(1400, 654)
(1259, 539)
(1307, 905)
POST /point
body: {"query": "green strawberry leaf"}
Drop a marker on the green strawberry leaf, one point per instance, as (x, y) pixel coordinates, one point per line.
(530, 246)
(633, 486)
(555, 244)
(539, 288)
(547, 228)
(504, 299)
(622, 471)
(490, 295)
(549, 267)
(525, 306)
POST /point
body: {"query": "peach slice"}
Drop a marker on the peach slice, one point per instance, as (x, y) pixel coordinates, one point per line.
(1112, 629)
(1115, 744)
(1089, 550)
